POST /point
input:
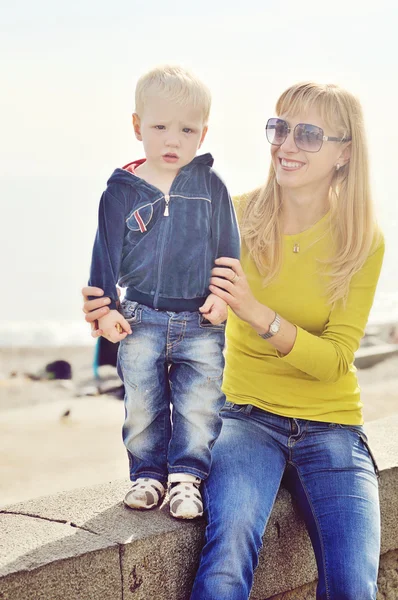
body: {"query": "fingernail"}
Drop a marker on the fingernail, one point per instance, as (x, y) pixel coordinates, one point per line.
(105, 301)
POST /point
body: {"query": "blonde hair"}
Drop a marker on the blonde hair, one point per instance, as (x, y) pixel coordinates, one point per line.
(176, 84)
(352, 222)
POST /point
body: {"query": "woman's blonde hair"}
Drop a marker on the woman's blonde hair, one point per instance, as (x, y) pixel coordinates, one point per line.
(176, 84)
(352, 221)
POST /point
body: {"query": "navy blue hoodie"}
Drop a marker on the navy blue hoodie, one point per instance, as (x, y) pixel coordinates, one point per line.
(163, 247)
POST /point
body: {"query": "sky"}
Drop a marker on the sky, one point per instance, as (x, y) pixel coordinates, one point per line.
(68, 72)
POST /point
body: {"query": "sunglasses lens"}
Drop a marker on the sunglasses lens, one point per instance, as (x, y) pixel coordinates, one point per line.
(308, 137)
(276, 131)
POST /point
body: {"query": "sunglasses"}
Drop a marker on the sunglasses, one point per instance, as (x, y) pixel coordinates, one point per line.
(306, 137)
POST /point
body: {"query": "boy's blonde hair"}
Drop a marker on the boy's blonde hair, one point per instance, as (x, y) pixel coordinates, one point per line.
(176, 84)
(352, 220)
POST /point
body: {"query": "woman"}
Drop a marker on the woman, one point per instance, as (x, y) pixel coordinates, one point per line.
(300, 299)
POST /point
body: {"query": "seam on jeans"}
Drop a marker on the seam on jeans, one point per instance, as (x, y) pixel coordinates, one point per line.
(302, 437)
(171, 345)
(151, 474)
(363, 437)
(183, 469)
(318, 530)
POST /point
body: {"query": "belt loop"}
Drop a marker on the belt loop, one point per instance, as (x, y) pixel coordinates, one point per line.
(248, 409)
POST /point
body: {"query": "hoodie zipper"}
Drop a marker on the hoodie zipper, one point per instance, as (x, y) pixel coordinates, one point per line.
(167, 200)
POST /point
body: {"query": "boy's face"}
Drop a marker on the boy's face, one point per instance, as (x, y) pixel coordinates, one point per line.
(171, 133)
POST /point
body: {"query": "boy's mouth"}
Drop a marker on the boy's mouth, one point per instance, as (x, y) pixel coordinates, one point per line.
(170, 157)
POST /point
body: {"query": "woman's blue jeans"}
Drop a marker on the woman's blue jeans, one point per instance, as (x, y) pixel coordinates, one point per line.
(330, 472)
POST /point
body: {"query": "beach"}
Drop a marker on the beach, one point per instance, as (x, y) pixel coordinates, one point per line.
(54, 440)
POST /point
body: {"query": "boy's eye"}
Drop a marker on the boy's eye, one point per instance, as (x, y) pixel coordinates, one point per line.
(160, 127)
(187, 130)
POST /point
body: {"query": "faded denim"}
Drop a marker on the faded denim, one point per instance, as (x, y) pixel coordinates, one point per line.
(331, 475)
(170, 359)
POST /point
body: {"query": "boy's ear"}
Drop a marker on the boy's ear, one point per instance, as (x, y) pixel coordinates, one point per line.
(202, 139)
(137, 126)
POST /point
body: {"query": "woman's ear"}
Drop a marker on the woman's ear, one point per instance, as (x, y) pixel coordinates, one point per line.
(345, 156)
(137, 126)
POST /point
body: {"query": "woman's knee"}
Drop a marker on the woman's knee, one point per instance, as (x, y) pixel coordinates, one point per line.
(350, 586)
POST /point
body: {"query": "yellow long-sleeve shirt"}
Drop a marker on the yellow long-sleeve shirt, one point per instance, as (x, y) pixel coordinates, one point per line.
(316, 380)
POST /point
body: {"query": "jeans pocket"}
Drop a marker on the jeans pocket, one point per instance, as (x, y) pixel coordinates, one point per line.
(131, 311)
(365, 442)
(234, 408)
(364, 439)
(205, 324)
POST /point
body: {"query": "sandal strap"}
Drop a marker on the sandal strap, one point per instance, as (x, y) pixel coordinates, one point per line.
(151, 486)
(185, 490)
(147, 482)
(185, 501)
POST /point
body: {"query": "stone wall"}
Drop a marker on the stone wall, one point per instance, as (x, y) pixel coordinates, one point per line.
(85, 545)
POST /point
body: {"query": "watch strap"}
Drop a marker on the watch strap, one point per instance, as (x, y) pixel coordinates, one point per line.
(273, 328)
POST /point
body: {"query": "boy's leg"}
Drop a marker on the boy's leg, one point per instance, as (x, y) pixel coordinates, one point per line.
(248, 462)
(197, 362)
(142, 366)
(334, 482)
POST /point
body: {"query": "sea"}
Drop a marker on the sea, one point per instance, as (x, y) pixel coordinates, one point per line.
(47, 230)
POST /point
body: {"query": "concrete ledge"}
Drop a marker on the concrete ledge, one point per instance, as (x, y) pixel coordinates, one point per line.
(85, 545)
(368, 356)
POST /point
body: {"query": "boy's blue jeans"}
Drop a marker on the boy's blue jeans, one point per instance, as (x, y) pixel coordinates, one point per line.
(330, 473)
(170, 359)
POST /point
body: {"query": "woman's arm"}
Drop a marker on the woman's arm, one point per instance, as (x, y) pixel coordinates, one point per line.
(238, 296)
(327, 356)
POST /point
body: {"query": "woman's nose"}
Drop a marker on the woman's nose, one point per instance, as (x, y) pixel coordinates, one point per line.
(289, 145)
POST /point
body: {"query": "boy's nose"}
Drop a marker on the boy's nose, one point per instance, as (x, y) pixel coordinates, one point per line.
(173, 142)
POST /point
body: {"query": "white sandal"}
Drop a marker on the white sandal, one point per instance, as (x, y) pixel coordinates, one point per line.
(145, 493)
(185, 499)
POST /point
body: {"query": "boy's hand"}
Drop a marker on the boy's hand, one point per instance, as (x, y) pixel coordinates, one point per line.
(114, 326)
(95, 309)
(214, 309)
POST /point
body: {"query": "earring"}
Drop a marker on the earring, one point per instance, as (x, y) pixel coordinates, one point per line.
(337, 166)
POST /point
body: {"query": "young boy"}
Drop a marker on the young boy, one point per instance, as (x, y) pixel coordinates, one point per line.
(163, 221)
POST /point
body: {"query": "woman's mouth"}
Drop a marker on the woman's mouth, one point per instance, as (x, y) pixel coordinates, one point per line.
(290, 165)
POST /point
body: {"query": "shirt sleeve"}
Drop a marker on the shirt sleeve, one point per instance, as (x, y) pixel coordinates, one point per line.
(225, 231)
(329, 356)
(108, 246)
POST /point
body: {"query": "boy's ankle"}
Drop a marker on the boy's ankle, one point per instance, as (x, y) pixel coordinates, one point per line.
(183, 478)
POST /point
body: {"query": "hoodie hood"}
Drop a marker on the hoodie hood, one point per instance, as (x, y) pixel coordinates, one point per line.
(126, 173)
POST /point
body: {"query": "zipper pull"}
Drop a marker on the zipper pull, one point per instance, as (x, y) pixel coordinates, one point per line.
(166, 210)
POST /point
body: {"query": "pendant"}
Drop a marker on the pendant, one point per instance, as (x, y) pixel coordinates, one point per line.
(296, 248)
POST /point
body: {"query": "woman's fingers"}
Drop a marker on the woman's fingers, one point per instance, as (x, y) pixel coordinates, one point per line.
(89, 290)
(221, 293)
(225, 284)
(90, 305)
(94, 315)
(232, 263)
(225, 272)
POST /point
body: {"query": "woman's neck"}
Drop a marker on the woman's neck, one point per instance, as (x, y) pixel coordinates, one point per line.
(301, 210)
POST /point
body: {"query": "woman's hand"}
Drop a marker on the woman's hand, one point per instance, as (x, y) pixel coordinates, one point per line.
(229, 282)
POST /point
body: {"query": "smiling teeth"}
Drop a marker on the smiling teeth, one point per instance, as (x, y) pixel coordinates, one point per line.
(290, 163)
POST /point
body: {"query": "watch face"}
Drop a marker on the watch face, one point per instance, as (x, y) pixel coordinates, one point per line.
(274, 328)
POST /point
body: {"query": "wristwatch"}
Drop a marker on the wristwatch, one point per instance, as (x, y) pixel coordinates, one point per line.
(273, 328)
